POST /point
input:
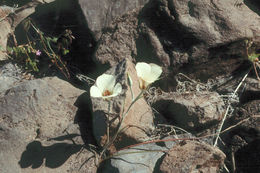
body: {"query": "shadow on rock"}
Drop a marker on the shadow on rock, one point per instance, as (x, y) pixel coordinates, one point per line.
(83, 118)
(54, 156)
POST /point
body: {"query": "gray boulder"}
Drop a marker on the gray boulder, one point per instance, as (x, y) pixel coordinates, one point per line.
(141, 158)
(37, 129)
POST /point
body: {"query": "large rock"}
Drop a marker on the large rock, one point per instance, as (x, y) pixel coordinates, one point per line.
(217, 22)
(127, 39)
(191, 110)
(142, 159)
(139, 120)
(201, 28)
(37, 129)
(193, 157)
(100, 13)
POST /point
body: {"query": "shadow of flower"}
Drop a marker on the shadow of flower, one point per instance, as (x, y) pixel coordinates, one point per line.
(54, 156)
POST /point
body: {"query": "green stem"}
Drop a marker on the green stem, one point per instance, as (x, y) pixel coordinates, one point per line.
(108, 123)
(120, 123)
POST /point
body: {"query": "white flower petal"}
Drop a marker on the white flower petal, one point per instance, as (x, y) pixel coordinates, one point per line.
(143, 69)
(95, 92)
(117, 89)
(105, 82)
(155, 73)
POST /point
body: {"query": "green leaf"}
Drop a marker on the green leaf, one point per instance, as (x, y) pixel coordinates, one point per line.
(9, 50)
(252, 57)
(55, 39)
(65, 51)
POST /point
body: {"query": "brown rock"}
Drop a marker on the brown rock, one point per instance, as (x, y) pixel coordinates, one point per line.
(202, 37)
(191, 110)
(118, 42)
(242, 139)
(126, 38)
(217, 22)
(99, 14)
(249, 111)
(193, 157)
(245, 123)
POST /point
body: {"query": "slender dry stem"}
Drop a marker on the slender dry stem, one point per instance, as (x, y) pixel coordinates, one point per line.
(228, 108)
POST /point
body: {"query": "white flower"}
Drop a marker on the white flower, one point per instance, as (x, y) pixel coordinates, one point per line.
(105, 87)
(147, 73)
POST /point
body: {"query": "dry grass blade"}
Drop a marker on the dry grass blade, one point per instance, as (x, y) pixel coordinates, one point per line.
(229, 107)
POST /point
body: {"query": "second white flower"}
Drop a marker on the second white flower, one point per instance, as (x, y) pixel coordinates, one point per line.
(147, 73)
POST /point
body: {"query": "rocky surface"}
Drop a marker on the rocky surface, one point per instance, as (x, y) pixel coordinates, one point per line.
(10, 75)
(119, 42)
(251, 91)
(191, 157)
(38, 132)
(46, 124)
(6, 30)
(216, 22)
(191, 110)
(191, 33)
(243, 139)
(100, 13)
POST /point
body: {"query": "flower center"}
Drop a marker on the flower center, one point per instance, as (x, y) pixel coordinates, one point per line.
(106, 93)
(142, 84)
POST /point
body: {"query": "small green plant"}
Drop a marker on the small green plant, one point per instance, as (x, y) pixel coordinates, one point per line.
(40, 46)
(253, 56)
(25, 53)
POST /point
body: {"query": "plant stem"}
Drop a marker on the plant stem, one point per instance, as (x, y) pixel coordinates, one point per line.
(120, 123)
